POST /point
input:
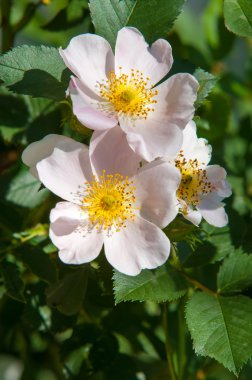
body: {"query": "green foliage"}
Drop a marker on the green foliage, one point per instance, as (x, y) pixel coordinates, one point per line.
(40, 116)
(238, 17)
(38, 262)
(68, 17)
(162, 284)
(109, 16)
(235, 273)
(19, 187)
(206, 83)
(68, 293)
(221, 328)
(12, 280)
(212, 245)
(38, 71)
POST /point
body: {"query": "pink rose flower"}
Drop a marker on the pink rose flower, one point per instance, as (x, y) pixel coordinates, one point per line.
(203, 186)
(123, 88)
(108, 200)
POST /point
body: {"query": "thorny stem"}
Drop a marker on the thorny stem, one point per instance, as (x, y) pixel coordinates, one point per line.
(168, 347)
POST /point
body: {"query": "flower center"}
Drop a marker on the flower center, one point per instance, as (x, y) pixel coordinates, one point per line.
(194, 183)
(129, 95)
(109, 201)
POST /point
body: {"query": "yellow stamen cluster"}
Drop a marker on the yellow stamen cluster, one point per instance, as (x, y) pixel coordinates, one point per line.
(194, 183)
(129, 94)
(109, 201)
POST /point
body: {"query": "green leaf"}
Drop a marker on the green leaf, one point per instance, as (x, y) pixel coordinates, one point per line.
(221, 328)
(216, 111)
(238, 17)
(216, 244)
(24, 119)
(154, 18)
(12, 280)
(38, 71)
(13, 111)
(220, 239)
(68, 294)
(180, 229)
(19, 187)
(206, 81)
(235, 273)
(162, 284)
(38, 262)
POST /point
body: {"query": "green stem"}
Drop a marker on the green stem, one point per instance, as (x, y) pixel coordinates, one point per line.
(168, 347)
(198, 284)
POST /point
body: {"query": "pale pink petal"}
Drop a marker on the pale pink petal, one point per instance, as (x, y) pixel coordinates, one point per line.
(175, 99)
(138, 246)
(194, 147)
(213, 211)
(217, 217)
(90, 58)
(69, 233)
(156, 185)
(66, 170)
(215, 173)
(69, 211)
(110, 151)
(153, 138)
(160, 135)
(88, 109)
(224, 190)
(132, 52)
(38, 150)
(217, 176)
(194, 216)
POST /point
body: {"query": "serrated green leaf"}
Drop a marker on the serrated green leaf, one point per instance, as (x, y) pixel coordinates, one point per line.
(154, 18)
(162, 284)
(19, 187)
(220, 238)
(206, 82)
(12, 280)
(235, 273)
(38, 71)
(68, 294)
(221, 327)
(238, 17)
